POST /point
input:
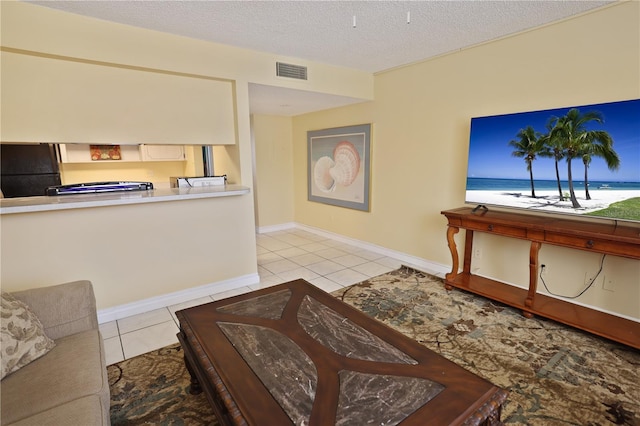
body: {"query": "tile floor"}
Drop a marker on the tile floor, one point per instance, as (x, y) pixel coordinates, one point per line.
(282, 256)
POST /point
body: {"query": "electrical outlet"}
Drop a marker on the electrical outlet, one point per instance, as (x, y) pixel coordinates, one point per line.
(545, 269)
(608, 284)
(477, 253)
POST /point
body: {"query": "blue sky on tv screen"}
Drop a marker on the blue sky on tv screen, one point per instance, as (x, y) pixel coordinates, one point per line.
(490, 153)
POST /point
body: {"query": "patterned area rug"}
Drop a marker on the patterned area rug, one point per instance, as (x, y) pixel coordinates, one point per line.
(153, 389)
(556, 375)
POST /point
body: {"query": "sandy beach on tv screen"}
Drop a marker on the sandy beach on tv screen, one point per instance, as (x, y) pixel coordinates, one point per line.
(549, 200)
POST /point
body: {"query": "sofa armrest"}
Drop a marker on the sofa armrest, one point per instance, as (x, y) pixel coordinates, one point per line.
(63, 309)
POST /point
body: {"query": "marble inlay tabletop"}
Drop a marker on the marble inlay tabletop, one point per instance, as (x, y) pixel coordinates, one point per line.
(305, 358)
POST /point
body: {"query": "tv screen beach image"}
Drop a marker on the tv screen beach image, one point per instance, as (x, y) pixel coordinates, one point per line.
(577, 160)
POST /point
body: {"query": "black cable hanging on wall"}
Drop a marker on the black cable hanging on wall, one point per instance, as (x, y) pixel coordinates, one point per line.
(591, 281)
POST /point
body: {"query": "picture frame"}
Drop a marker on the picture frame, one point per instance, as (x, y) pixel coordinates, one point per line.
(338, 166)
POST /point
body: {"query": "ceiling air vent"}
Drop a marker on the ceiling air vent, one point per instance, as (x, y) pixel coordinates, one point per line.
(291, 71)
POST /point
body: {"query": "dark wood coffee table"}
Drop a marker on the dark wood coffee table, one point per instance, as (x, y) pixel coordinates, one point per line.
(294, 354)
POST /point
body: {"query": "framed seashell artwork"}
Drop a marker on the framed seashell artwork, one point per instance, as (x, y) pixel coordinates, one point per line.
(339, 161)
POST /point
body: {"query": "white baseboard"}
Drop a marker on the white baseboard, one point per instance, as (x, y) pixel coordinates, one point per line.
(274, 228)
(146, 305)
(425, 265)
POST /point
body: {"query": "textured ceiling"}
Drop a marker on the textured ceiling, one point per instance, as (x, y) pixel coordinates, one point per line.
(324, 31)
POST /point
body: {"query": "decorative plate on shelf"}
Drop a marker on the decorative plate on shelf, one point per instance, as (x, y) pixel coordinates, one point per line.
(105, 152)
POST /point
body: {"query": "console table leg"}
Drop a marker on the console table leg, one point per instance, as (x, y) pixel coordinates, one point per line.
(468, 251)
(533, 277)
(451, 231)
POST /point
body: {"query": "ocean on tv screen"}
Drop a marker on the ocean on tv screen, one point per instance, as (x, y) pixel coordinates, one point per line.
(517, 193)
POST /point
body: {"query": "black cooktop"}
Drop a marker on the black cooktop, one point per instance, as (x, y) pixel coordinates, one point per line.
(95, 187)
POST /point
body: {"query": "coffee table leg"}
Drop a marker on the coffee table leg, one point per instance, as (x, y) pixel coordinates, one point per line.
(194, 388)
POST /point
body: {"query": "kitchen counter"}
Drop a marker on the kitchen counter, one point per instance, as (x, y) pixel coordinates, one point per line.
(65, 202)
(142, 250)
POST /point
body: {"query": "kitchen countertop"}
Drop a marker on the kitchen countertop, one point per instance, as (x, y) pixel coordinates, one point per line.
(79, 201)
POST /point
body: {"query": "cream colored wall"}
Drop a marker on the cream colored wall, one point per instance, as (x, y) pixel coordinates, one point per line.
(131, 252)
(421, 117)
(273, 169)
(102, 244)
(33, 28)
(107, 103)
(40, 29)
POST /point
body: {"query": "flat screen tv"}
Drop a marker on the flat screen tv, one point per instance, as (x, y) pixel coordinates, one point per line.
(580, 160)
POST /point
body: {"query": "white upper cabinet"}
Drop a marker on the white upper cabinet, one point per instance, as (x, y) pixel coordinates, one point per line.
(83, 153)
(162, 153)
(64, 101)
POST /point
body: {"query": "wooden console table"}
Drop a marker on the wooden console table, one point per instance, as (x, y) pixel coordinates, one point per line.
(618, 240)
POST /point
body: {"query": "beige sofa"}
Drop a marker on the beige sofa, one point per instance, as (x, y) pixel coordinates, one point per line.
(68, 385)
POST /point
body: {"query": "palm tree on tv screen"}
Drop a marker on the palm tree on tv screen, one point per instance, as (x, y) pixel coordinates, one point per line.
(528, 146)
(553, 149)
(598, 144)
(577, 141)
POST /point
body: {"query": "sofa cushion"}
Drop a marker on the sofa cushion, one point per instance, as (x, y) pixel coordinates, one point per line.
(63, 309)
(83, 411)
(75, 368)
(22, 336)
